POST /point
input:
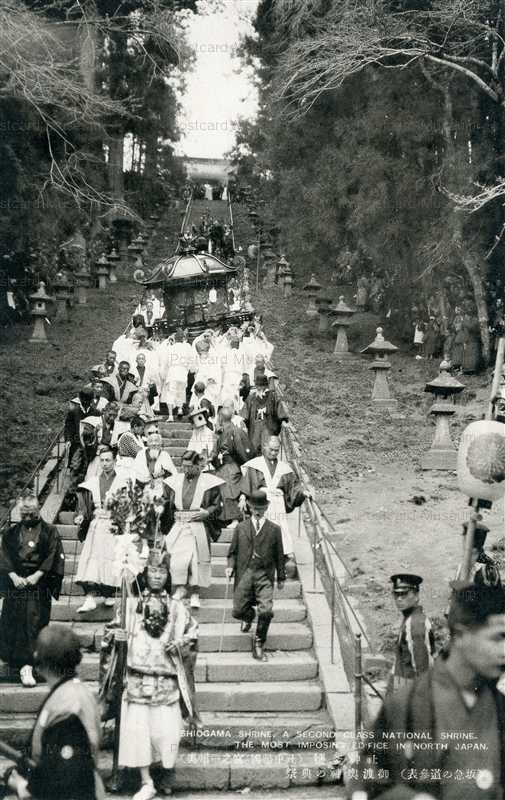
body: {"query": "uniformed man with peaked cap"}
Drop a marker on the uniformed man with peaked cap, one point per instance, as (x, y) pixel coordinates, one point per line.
(415, 645)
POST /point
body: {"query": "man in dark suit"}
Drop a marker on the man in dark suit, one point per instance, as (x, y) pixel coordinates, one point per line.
(254, 557)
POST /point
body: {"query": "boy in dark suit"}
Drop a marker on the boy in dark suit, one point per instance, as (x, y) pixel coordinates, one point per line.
(254, 557)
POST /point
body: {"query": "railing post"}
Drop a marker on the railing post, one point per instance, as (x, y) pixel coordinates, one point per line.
(58, 465)
(358, 712)
(333, 603)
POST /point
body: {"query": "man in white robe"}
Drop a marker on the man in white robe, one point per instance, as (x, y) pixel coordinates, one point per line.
(267, 473)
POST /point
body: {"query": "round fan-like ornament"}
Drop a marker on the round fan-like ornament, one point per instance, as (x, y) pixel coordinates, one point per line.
(481, 460)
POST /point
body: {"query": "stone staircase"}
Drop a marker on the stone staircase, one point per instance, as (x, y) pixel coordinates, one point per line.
(259, 719)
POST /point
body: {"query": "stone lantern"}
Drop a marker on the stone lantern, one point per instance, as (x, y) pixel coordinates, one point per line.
(312, 289)
(39, 312)
(288, 281)
(280, 267)
(102, 270)
(343, 318)
(83, 279)
(380, 348)
(62, 295)
(442, 453)
(113, 257)
(323, 307)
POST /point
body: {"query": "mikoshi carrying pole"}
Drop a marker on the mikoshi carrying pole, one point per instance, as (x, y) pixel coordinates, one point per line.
(466, 565)
(122, 648)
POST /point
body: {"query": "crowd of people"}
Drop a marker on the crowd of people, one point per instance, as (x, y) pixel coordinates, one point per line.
(231, 477)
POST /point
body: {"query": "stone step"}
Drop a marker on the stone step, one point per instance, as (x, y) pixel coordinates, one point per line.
(70, 532)
(219, 549)
(66, 517)
(207, 770)
(218, 697)
(281, 636)
(227, 731)
(72, 547)
(231, 668)
(216, 590)
(218, 565)
(210, 611)
(174, 441)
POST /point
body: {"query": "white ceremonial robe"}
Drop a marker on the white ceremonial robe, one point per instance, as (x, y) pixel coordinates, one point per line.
(276, 511)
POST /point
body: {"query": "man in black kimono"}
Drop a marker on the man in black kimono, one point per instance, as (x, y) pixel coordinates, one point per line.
(32, 565)
(66, 735)
(264, 412)
(121, 385)
(80, 407)
(254, 557)
(232, 449)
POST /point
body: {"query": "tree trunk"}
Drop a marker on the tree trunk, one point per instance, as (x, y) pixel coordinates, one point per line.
(474, 272)
(151, 162)
(469, 259)
(115, 167)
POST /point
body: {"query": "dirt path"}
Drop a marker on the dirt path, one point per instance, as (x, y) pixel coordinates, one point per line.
(366, 464)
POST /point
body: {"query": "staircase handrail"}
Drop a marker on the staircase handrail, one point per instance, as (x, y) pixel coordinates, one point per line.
(33, 480)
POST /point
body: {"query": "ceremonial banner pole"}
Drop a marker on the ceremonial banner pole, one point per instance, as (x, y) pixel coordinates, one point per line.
(122, 646)
(258, 257)
(468, 541)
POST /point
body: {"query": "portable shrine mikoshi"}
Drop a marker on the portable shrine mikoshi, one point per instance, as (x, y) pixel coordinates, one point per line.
(196, 296)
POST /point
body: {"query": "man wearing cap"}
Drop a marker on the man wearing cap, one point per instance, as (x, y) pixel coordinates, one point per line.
(443, 736)
(254, 558)
(264, 412)
(415, 645)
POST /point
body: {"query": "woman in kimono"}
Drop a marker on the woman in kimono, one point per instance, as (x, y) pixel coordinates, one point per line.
(191, 517)
(66, 735)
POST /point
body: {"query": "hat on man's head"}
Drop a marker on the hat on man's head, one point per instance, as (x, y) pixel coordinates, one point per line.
(479, 536)
(258, 500)
(472, 604)
(405, 582)
(261, 381)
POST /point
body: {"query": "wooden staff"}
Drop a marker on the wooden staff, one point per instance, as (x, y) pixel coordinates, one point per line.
(468, 541)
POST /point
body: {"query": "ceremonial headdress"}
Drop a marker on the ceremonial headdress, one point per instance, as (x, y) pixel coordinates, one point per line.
(405, 582)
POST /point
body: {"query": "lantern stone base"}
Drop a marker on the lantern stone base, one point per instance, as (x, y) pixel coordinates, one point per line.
(440, 459)
(39, 335)
(380, 402)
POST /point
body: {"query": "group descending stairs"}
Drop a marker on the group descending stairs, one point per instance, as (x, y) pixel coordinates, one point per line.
(259, 720)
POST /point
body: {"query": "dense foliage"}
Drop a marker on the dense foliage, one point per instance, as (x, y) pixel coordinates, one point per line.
(380, 143)
(77, 81)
